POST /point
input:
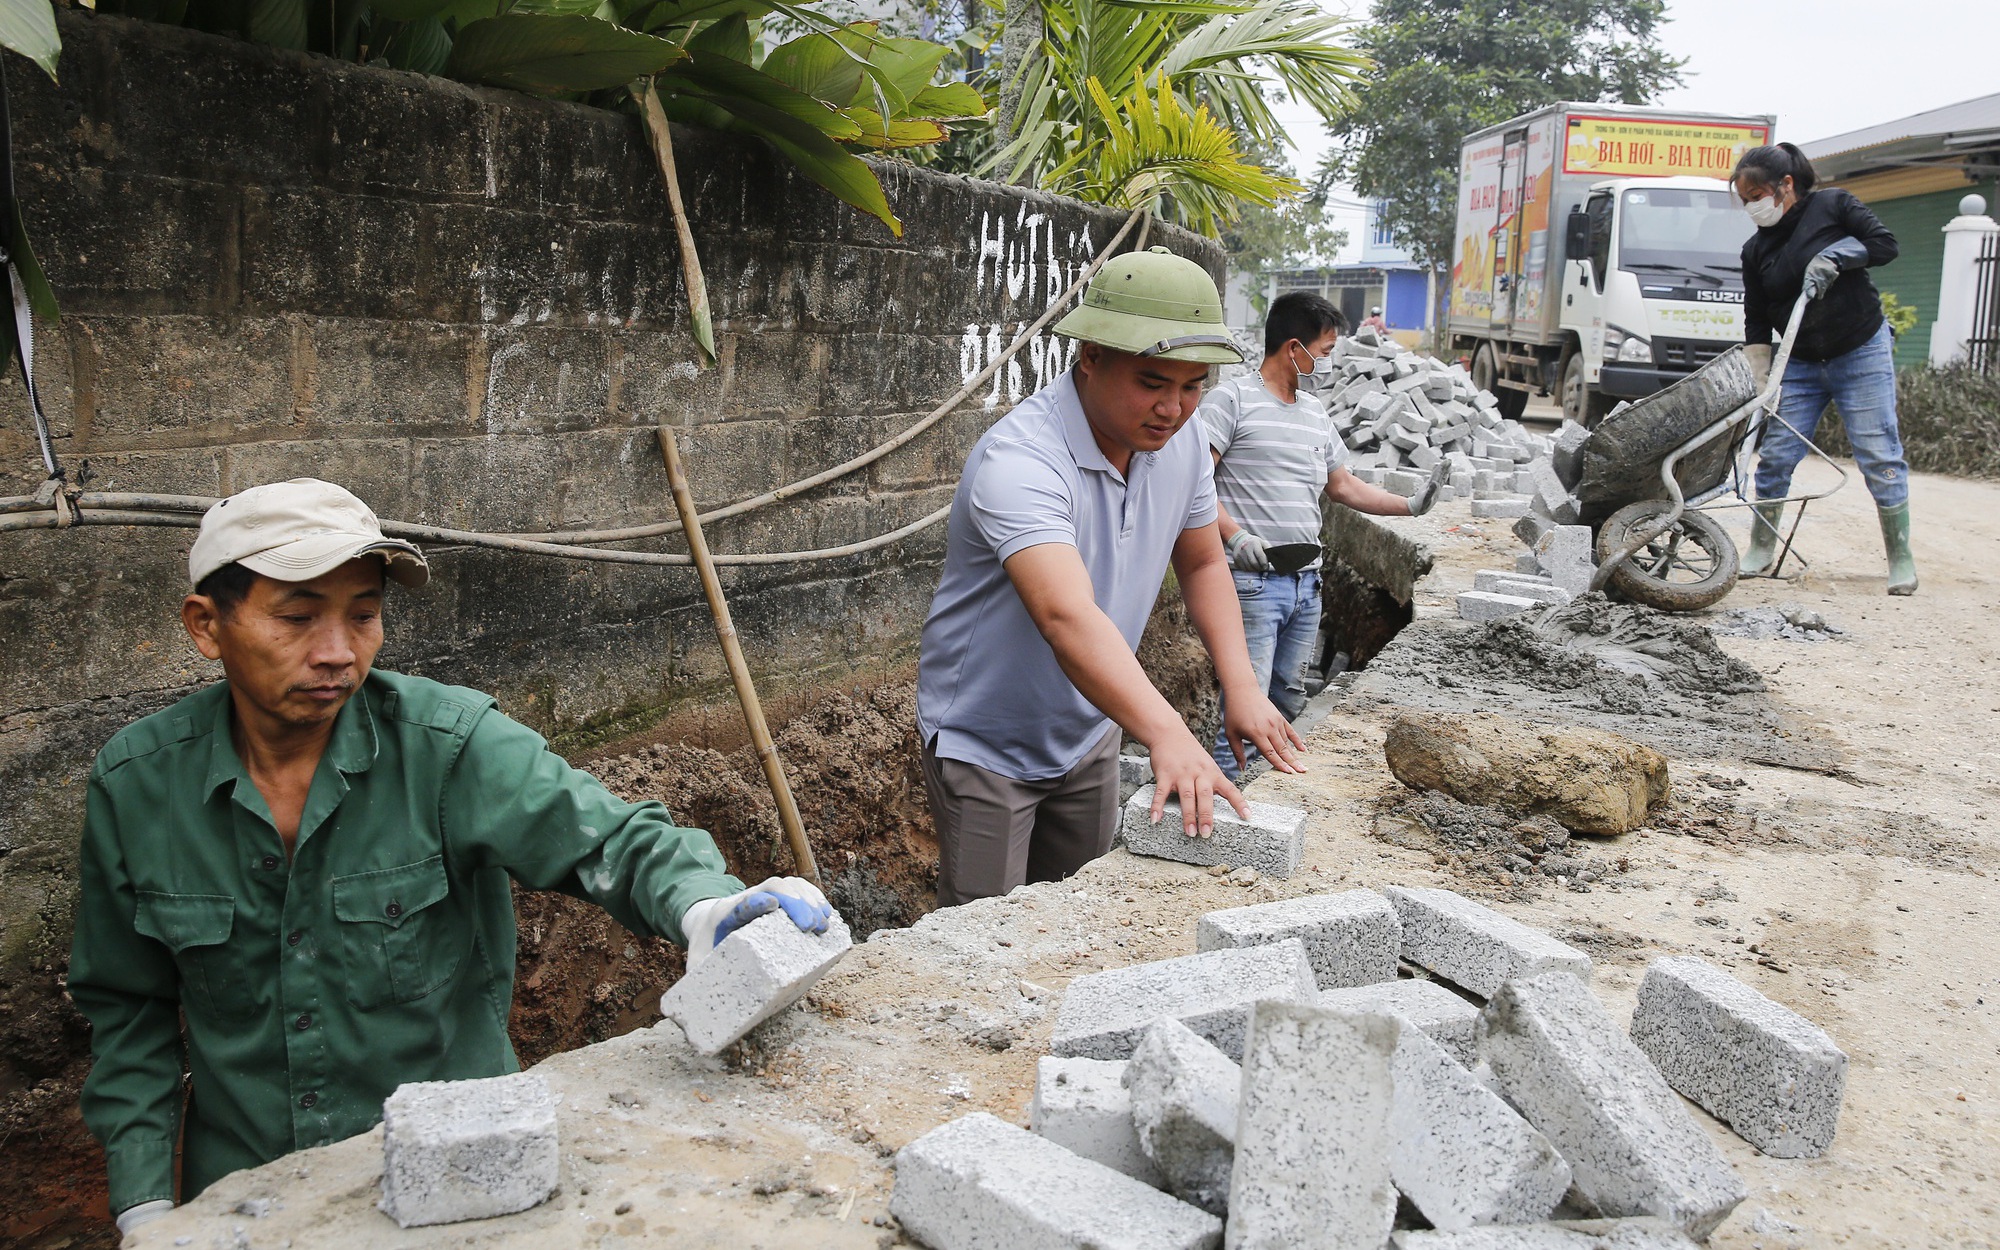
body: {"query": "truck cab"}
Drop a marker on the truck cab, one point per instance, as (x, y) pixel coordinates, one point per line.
(1652, 286)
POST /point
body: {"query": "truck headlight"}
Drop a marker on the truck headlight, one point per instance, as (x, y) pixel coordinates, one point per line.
(1636, 349)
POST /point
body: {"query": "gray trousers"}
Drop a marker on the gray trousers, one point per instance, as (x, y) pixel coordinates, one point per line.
(996, 833)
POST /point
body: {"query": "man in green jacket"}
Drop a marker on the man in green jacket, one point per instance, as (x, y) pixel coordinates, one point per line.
(296, 880)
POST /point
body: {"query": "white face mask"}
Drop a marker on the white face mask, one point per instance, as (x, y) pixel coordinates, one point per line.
(1322, 366)
(1765, 212)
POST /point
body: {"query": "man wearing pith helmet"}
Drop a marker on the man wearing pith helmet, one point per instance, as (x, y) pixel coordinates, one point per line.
(1069, 513)
(296, 880)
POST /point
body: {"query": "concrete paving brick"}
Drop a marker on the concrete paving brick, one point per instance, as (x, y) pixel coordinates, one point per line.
(1640, 1234)
(1444, 1017)
(1471, 945)
(1632, 1147)
(1083, 1106)
(1526, 563)
(979, 1183)
(1484, 605)
(1460, 1153)
(1104, 1014)
(1500, 509)
(1184, 1093)
(1297, 1185)
(1134, 771)
(1497, 581)
(1566, 555)
(1272, 841)
(1567, 454)
(1539, 591)
(1351, 938)
(1758, 1066)
(468, 1150)
(757, 972)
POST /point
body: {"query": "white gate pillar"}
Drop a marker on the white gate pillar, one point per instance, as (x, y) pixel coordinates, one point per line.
(1958, 291)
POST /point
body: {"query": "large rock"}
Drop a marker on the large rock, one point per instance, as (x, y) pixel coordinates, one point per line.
(1590, 780)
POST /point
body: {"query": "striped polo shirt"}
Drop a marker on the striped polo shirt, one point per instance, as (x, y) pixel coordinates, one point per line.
(1275, 458)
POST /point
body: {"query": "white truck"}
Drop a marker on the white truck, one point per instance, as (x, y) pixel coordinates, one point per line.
(1598, 252)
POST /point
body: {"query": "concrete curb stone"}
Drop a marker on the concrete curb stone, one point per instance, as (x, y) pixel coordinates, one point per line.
(1758, 1066)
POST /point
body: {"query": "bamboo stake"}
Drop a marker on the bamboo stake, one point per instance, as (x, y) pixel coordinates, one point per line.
(660, 134)
(739, 672)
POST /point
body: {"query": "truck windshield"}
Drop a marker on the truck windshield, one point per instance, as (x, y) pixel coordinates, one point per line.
(1673, 230)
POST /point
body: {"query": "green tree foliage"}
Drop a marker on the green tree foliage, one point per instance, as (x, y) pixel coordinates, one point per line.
(1444, 68)
(1902, 318)
(1154, 102)
(1286, 235)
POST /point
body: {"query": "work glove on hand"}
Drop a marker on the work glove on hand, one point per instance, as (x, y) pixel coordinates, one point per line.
(1821, 270)
(709, 921)
(1248, 552)
(1758, 357)
(1426, 496)
(145, 1213)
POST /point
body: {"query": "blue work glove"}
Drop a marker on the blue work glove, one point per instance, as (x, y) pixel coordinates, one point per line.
(709, 921)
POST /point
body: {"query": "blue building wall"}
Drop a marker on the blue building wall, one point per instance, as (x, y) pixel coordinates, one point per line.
(1403, 306)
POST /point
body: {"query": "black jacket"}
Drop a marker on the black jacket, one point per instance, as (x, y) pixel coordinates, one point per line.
(1774, 268)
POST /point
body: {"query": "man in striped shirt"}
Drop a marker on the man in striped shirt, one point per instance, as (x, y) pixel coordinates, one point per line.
(1275, 450)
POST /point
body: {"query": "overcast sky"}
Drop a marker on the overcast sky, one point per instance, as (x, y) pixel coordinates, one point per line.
(1823, 66)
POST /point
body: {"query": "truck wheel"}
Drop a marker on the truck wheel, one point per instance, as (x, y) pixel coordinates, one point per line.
(1689, 567)
(1486, 377)
(1581, 404)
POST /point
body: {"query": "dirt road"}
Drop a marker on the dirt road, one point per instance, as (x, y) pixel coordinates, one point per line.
(1863, 897)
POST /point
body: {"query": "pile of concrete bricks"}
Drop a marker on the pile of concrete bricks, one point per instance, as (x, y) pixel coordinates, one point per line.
(1404, 415)
(1286, 1086)
(1560, 561)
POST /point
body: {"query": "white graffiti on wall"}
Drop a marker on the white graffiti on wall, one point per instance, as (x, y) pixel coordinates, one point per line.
(1032, 260)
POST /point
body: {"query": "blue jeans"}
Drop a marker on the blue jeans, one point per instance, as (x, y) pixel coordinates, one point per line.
(1863, 383)
(1281, 623)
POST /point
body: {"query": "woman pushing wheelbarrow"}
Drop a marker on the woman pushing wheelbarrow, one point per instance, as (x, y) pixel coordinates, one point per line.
(1820, 244)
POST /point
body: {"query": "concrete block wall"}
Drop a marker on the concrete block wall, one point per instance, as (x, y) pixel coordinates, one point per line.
(466, 305)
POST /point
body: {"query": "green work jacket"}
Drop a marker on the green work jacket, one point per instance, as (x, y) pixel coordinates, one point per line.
(300, 994)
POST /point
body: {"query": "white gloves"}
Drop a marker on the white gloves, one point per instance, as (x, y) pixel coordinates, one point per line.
(145, 1213)
(1248, 552)
(709, 921)
(1758, 357)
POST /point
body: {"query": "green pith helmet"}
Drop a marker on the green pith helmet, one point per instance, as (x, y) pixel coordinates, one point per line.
(1153, 303)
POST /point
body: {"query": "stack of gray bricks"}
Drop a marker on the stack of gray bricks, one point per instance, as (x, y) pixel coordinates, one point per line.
(1403, 415)
(1284, 1086)
(1559, 562)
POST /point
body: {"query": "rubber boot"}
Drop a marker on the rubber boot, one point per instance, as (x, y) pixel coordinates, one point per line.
(1896, 541)
(1763, 539)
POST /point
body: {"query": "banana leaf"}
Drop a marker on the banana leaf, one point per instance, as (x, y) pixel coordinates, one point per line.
(816, 154)
(903, 132)
(951, 101)
(280, 23)
(551, 55)
(29, 28)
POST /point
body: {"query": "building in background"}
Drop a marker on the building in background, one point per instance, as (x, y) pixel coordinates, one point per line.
(1913, 172)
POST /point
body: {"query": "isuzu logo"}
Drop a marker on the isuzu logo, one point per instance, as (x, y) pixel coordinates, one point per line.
(1719, 297)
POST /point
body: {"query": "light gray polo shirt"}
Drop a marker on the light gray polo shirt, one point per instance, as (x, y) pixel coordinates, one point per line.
(988, 685)
(1276, 458)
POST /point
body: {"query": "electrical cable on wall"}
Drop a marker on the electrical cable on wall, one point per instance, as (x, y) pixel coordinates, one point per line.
(61, 508)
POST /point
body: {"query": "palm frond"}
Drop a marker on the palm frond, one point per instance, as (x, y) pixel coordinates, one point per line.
(1156, 147)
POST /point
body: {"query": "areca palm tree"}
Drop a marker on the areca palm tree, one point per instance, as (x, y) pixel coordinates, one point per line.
(1196, 81)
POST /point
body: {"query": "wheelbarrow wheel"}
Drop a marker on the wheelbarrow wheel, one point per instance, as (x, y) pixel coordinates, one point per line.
(1688, 567)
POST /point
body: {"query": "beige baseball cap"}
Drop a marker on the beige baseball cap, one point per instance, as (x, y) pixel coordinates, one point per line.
(295, 531)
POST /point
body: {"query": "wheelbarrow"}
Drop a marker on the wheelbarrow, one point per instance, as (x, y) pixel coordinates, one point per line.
(1654, 473)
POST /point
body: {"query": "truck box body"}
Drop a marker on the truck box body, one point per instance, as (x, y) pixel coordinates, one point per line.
(1665, 237)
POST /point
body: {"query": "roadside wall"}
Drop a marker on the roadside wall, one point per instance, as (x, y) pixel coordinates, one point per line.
(465, 305)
